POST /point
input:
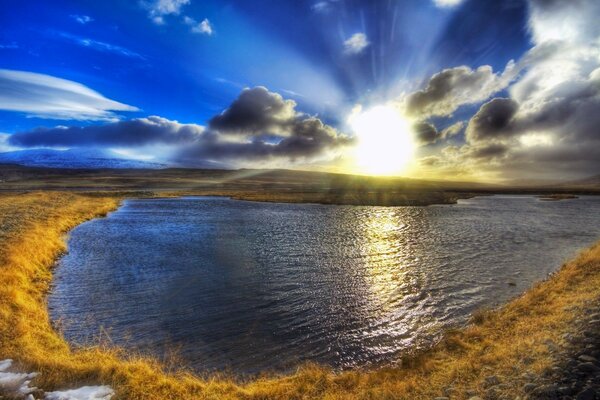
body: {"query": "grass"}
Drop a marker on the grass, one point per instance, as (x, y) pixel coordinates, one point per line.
(504, 342)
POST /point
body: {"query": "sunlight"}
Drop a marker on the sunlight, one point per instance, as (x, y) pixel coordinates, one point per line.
(385, 145)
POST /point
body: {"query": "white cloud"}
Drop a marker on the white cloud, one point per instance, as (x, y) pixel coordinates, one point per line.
(158, 9)
(321, 7)
(447, 3)
(204, 27)
(46, 96)
(452, 88)
(100, 46)
(4, 146)
(356, 44)
(82, 19)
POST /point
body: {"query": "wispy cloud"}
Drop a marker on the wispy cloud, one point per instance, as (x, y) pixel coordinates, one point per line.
(9, 46)
(356, 44)
(447, 3)
(204, 27)
(100, 46)
(45, 96)
(4, 146)
(226, 81)
(292, 93)
(158, 9)
(323, 6)
(82, 19)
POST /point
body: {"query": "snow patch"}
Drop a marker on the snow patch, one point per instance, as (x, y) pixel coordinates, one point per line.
(16, 384)
(83, 393)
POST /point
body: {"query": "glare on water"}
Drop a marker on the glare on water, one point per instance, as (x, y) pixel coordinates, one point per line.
(252, 286)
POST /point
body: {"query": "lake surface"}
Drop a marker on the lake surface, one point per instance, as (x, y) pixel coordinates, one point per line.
(248, 287)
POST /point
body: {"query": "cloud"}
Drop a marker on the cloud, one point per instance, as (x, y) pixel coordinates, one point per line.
(204, 27)
(158, 9)
(259, 126)
(447, 3)
(546, 123)
(454, 129)
(262, 124)
(493, 120)
(426, 133)
(451, 88)
(82, 19)
(549, 123)
(100, 46)
(256, 111)
(9, 46)
(4, 146)
(487, 151)
(573, 21)
(46, 96)
(131, 133)
(356, 43)
(306, 139)
(321, 7)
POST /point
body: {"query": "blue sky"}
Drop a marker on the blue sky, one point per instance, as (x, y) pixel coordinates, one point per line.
(295, 48)
(188, 60)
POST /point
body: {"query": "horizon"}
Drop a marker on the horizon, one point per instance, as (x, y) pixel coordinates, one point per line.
(455, 90)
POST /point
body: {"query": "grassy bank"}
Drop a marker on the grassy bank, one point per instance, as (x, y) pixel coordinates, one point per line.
(505, 343)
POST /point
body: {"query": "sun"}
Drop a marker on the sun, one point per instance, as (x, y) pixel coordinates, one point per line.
(384, 141)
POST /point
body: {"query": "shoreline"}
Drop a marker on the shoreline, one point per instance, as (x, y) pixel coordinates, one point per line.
(37, 346)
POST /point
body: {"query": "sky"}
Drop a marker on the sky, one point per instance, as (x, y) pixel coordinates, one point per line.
(450, 89)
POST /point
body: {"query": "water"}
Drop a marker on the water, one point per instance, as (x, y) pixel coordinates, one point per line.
(248, 287)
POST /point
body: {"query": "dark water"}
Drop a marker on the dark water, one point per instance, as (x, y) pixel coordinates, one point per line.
(252, 286)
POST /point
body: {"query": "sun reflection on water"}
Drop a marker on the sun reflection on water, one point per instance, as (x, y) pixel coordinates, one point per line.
(383, 251)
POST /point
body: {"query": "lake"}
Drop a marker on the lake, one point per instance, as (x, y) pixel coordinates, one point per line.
(248, 287)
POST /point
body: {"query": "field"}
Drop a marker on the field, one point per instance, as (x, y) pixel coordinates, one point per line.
(266, 185)
(503, 344)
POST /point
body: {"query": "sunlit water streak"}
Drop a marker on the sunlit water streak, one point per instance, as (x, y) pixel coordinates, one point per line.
(251, 286)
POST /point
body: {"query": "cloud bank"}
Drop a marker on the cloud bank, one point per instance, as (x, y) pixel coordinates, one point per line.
(258, 126)
(546, 123)
(46, 96)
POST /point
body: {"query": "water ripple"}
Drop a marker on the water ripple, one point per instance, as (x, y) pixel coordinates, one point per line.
(254, 286)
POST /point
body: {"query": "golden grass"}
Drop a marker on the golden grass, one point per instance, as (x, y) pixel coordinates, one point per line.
(505, 342)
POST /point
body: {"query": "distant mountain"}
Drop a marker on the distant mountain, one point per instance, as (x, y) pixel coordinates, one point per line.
(74, 158)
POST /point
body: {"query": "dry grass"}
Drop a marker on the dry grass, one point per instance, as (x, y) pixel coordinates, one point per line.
(504, 342)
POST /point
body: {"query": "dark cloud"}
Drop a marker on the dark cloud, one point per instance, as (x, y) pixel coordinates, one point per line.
(493, 120)
(307, 138)
(131, 133)
(426, 133)
(256, 110)
(548, 128)
(451, 88)
(488, 151)
(259, 125)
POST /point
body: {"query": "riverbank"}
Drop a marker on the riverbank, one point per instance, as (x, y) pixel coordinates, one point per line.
(496, 356)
